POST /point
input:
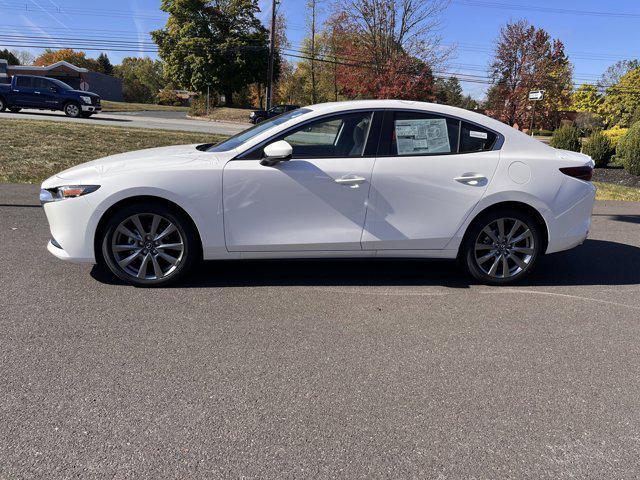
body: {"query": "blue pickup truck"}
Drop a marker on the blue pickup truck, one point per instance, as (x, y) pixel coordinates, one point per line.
(26, 91)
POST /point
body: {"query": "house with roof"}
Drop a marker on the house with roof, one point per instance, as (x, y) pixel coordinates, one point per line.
(107, 86)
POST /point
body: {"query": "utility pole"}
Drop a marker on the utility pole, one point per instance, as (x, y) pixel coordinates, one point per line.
(314, 95)
(272, 52)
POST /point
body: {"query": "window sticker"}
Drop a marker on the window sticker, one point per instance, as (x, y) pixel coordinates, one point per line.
(420, 136)
(482, 135)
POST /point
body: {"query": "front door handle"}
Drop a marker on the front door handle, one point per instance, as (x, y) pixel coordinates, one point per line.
(473, 179)
(351, 181)
(38, 93)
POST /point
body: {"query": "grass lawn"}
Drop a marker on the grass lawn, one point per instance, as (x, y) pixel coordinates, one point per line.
(611, 191)
(108, 106)
(31, 150)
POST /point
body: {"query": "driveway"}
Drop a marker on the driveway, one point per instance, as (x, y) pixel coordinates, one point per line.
(152, 120)
(320, 369)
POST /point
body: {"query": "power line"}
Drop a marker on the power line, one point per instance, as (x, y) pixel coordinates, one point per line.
(533, 8)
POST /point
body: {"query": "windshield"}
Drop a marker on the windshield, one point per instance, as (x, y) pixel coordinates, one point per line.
(242, 137)
(60, 84)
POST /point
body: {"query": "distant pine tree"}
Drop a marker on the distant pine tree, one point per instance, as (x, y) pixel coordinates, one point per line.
(104, 64)
(9, 57)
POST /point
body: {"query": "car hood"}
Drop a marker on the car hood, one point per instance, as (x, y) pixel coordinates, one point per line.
(87, 94)
(141, 160)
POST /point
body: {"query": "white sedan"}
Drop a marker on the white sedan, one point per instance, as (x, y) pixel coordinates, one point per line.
(377, 178)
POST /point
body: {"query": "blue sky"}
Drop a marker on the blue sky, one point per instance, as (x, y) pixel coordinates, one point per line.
(593, 41)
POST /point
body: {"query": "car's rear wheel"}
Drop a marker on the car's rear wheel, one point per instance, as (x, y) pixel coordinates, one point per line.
(149, 245)
(502, 247)
(3, 105)
(72, 110)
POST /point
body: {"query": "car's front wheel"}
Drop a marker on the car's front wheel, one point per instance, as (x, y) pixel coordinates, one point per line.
(502, 247)
(149, 244)
(3, 105)
(72, 110)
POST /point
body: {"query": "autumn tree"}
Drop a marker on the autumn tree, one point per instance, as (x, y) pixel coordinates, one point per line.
(587, 98)
(142, 78)
(621, 105)
(220, 43)
(77, 58)
(615, 72)
(388, 48)
(526, 59)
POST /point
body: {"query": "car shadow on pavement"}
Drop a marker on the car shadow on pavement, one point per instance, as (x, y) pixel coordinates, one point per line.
(596, 262)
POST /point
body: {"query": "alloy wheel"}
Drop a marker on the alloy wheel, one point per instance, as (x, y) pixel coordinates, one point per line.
(73, 110)
(504, 248)
(147, 246)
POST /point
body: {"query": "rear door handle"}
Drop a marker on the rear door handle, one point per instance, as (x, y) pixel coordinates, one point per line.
(37, 93)
(352, 181)
(472, 179)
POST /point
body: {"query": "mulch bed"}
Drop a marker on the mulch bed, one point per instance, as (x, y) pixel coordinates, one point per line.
(619, 176)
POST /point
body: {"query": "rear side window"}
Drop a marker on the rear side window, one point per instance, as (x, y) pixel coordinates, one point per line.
(23, 82)
(476, 139)
(418, 134)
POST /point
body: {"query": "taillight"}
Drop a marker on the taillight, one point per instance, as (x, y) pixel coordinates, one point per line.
(582, 173)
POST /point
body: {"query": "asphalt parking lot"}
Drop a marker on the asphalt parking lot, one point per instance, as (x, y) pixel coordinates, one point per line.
(320, 369)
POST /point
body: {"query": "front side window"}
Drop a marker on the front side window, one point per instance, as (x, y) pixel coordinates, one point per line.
(416, 133)
(342, 135)
(24, 82)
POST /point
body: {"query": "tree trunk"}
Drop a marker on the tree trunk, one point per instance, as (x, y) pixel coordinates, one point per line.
(228, 98)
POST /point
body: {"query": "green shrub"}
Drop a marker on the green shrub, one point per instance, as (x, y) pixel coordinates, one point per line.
(566, 138)
(167, 96)
(598, 147)
(542, 133)
(629, 150)
(615, 134)
(198, 107)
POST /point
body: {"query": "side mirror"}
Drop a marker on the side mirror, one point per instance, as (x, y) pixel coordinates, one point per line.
(276, 152)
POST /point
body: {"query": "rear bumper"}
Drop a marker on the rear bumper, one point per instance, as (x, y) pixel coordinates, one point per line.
(571, 228)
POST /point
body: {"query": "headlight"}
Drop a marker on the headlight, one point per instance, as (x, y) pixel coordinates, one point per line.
(67, 191)
(86, 100)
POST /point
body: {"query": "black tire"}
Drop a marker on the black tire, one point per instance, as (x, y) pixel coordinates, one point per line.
(73, 110)
(3, 104)
(146, 211)
(14, 109)
(477, 245)
(259, 120)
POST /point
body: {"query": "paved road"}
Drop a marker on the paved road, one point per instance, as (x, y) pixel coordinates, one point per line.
(153, 120)
(320, 369)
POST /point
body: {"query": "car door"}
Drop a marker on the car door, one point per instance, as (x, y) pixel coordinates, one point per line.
(46, 92)
(430, 173)
(315, 201)
(24, 93)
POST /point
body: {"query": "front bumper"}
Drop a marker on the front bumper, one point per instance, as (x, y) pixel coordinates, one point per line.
(91, 108)
(72, 223)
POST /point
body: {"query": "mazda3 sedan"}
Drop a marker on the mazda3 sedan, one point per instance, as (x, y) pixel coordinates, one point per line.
(378, 178)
